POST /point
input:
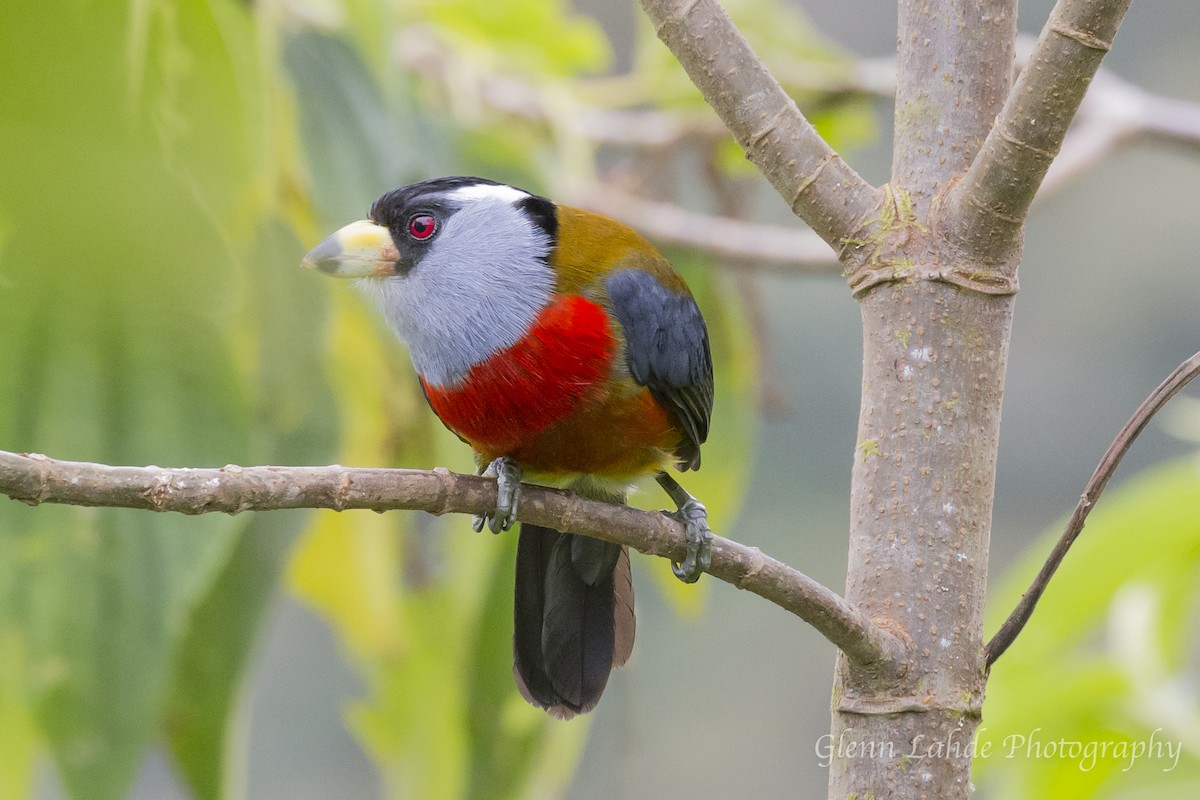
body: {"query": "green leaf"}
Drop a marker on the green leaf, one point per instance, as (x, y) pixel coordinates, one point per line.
(99, 601)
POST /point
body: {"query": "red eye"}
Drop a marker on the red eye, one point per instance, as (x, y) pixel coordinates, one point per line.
(421, 226)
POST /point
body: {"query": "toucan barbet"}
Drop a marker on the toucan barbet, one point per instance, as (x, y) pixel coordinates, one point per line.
(565, 350)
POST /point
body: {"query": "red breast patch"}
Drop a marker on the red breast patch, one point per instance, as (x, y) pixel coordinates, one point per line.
(524, 389)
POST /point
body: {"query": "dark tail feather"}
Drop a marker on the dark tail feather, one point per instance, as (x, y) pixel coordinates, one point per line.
(529, 666)
(573, 619)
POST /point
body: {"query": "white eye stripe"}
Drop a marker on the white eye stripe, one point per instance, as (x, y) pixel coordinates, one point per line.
(483, 191)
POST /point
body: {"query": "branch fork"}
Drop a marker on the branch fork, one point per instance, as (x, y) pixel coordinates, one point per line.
(880, 252)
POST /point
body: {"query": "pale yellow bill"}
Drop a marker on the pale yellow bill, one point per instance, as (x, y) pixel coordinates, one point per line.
(361, 249)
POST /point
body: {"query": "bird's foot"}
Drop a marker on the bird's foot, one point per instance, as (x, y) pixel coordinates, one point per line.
(694, 516)
(508, 495)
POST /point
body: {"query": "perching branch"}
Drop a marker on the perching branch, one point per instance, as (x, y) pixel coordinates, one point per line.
(818, 185)
(1012, 626)
(987, 208)
(35, 479)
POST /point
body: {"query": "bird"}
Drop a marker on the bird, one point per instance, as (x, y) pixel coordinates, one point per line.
(566, 351)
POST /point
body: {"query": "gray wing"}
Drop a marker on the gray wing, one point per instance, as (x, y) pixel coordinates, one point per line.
(666, 344)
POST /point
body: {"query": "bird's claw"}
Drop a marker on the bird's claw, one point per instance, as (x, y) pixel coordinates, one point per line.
(508, 495)
(694, 517)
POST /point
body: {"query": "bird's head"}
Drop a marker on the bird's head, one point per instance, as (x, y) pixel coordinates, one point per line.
(436, 222)
(460, 267)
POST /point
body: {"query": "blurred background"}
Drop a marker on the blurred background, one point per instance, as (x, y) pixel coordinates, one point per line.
(164, 166)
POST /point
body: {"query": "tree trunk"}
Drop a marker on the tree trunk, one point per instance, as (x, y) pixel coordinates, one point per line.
(921, 507)
(936, 325)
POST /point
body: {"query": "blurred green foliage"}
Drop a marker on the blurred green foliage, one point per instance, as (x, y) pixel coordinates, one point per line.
(164, 165)
(139, 158)
(1108, 657)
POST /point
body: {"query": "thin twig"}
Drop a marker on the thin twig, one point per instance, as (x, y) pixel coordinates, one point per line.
(796, 251)
(35, 479)
(1012, 626)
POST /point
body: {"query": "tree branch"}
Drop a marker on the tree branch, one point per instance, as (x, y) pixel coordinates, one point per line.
(819, 187)
(987, 208)
(35, 479)
(1113, 113)
(1116, 113)
(793, 250)
(1012, 626)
